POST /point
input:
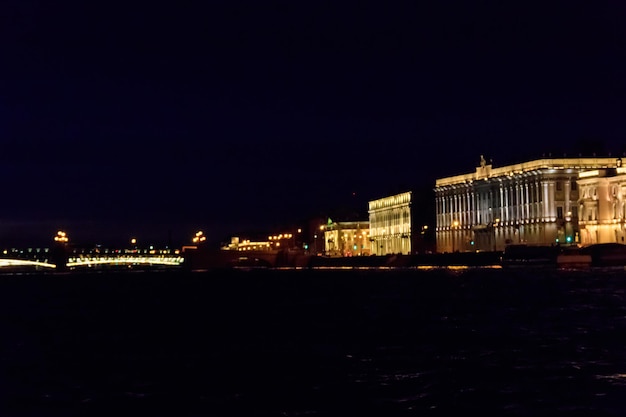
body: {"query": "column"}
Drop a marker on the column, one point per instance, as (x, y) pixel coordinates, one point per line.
(502, 200)
(444, 211)
(567, 189)
(474, 215)
(545, 200)
(468, 207)
(438, 211)
(551, 196)
(518, 198)
(526, 202)
(539, 206)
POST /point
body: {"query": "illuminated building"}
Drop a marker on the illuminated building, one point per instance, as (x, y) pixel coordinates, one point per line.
(282, 241)
(602, 205)
(390, 224)
(246, 245)
(347, 239)
(533, 202)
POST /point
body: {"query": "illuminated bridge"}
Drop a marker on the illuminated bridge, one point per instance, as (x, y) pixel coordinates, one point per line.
(123, 259)
(51, 259)
(25, 263)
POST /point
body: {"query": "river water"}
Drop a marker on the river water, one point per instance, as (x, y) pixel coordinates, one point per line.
(438, 342)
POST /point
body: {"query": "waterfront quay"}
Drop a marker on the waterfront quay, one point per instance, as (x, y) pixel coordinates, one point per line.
(571, 256)
(63, 258)
(204, 258)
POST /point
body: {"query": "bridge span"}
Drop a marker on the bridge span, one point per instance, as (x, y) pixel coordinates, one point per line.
(17, 263)
(91, 260)
(60, 258)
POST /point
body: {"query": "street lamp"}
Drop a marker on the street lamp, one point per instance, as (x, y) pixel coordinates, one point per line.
(455, 225)
(494, 224)
(568, 227)
(61, 237)
(199, 237)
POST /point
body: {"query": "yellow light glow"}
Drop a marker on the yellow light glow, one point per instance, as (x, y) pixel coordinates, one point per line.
(130, 260)
(199, 237)
(61, 237)
(21, 262)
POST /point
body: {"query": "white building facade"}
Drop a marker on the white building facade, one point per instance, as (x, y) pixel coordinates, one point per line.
(390, 220)
(602, 206)
(534, 202)
(347, 239)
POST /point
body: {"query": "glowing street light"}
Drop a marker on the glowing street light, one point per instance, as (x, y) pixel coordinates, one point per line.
(133, 241)
(495, 224)
(455, 225)
(199, 237)
(61, 237)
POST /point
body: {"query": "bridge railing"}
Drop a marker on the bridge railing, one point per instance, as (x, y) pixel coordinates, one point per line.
(91, 260)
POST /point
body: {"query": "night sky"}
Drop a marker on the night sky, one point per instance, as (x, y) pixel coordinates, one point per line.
(155, 119)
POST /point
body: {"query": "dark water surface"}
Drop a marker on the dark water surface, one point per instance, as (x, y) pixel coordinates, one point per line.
(314, 343)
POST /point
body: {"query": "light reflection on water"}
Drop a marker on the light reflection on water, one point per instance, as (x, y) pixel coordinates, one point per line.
(325, 342)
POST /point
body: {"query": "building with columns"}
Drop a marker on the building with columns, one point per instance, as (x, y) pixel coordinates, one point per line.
(602, 206)
(535, 202)
(351, 238)
(390, 224)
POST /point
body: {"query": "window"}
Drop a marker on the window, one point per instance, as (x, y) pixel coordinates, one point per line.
(559, 212)
(574, 185)
(559, 186)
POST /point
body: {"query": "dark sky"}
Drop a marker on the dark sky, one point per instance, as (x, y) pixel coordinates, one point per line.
(154, 118)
